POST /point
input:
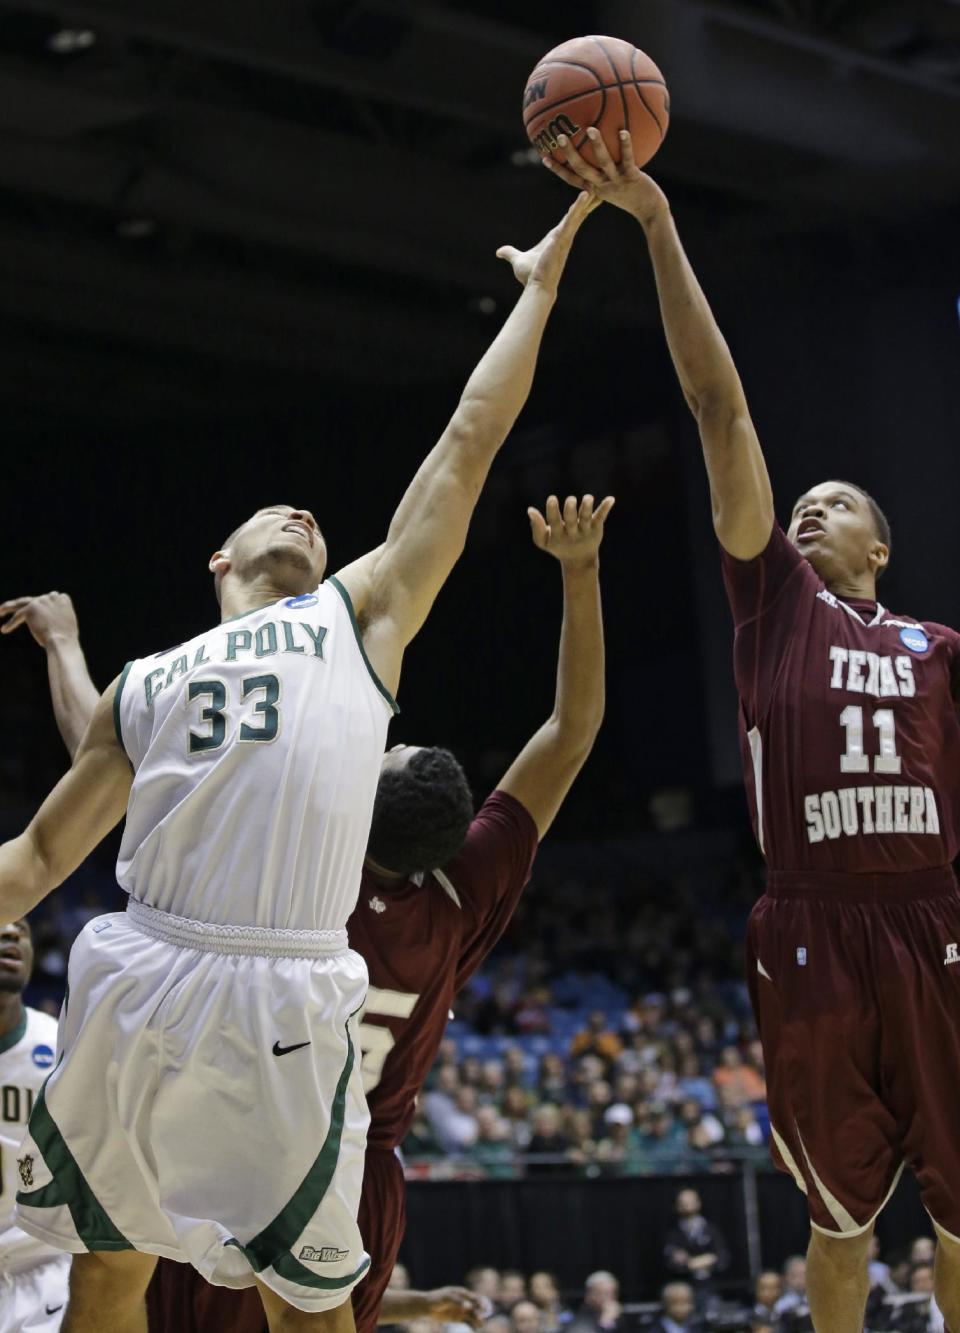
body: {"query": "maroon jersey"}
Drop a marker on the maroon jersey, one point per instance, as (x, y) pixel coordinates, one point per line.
(422, 938)
(849, 726)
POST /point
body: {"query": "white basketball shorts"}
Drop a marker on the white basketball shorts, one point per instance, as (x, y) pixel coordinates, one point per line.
(206, 1104)
(34, 1299)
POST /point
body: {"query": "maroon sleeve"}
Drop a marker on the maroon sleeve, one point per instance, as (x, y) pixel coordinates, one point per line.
(489, 874)
(764, 594)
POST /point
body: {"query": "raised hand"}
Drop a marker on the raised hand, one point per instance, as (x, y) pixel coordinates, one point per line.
(48, 617)
(623, 184)
(574, 534)
(544, 264)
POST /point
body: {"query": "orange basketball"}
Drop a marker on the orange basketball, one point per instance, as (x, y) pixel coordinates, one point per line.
(599, 81)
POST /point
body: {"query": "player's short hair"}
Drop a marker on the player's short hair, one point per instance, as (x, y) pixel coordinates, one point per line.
(421, 813)
(881, 524)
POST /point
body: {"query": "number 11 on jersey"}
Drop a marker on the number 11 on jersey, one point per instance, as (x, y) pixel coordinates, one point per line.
(854, 759)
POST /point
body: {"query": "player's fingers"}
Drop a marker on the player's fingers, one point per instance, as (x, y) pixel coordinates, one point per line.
(570, 514)
(538, 528)
(563, 172)
(579, 165)
(13, 604)
(586, 511)
(627, 161)
(604, 509)
(552, 512)
(508, 252)
(601, 153)
(14, 623)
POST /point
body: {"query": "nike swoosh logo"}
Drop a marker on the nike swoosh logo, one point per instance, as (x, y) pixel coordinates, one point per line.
(285, 1050)
(52, 1309)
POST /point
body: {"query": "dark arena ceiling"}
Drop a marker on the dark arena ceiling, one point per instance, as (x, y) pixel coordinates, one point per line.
(220, 199)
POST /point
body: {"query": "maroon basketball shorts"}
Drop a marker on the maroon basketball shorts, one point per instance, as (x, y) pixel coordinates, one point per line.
(382, 1220)
(855, 983)
(179, 1300)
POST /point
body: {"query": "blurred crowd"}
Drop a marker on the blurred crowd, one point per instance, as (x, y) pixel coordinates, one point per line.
(901, 1297)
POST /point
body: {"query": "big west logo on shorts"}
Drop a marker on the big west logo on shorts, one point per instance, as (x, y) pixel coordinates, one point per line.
(327, 1254)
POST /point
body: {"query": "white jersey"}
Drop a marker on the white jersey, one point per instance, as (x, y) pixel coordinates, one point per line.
(256, 749)
(26, 1057)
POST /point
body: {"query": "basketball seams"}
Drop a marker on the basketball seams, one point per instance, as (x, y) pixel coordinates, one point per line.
(616, 74)
(636, 82)
(603, 87)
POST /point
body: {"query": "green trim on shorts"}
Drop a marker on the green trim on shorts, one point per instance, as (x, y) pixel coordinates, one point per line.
(122, 680)
(272, 1247)
(363, 652)
(68, 1185)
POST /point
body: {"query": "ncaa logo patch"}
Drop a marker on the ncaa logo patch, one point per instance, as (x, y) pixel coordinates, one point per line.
(913, 637)
(305, 599)
(42, 1057)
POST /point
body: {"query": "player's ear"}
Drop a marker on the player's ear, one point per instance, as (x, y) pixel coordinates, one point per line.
(879, 556)
(219, 563)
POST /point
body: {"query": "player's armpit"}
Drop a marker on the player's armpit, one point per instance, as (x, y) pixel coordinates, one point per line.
(82, 808)
(544, 771)
(740, 493)
(358, 578)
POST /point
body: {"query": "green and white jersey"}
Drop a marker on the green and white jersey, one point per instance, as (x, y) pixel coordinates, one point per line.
(256, 749)
(27, 1055)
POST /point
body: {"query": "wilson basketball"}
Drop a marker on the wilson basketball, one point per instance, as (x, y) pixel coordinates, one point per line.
(601, 81)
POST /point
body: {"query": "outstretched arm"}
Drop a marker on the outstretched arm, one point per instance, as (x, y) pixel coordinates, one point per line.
(82, 808)
(740, 491)
(52, 621)
(447, 1305)
(544, 771)
(429, 528)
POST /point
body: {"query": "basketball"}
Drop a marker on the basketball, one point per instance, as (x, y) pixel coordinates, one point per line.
(601, 81)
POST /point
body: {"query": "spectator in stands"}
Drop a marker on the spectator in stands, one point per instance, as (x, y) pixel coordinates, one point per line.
(552, 1079)
(679, 1310)
(597, 1038)
(578, 1130)
(617, 1145)
(485, 1281)
(662, 1138)
(601, 1311)
(695, 1249)
(516, 1114)
(744, 1133)
(546, 1294)
(694, 1084)
(767, 1290)
(794, 1285)
(525, 1317)
(879, 1272)
(492, 1148)
(513, 1289)
(532, 1014)
(737, 1083)
(547, 1141)
(492, 1081)
(692, 1116)
(923, 1250)
(920, 1315)
(515, 1065)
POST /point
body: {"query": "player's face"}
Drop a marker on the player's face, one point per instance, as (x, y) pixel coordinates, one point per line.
(397, 757)
(16, 956)
(284, 542)
(833, 527)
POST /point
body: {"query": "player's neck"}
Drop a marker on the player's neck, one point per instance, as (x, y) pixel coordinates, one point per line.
(11, 1011)
(238, 599)
(853, 588)
(381, 873)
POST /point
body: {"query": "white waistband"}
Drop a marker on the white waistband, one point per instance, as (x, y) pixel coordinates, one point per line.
(256, 941)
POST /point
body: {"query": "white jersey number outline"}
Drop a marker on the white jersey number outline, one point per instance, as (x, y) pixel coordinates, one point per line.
(377, 1041)
(853, 759)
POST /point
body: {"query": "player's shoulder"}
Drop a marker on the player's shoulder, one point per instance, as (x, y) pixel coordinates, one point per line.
(500, 819)
(40, 1024)
(33, 1043)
